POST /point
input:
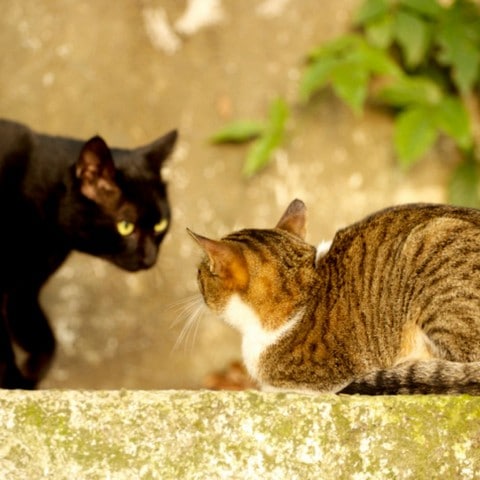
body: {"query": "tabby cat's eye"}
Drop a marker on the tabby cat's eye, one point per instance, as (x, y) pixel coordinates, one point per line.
(161, 226)
(125, 228)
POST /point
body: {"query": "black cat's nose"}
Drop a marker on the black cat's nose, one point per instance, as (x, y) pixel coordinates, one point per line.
(149, 256)
(147, 263)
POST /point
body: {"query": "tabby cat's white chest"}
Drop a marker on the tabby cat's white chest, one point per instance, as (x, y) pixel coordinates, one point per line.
(255, 339)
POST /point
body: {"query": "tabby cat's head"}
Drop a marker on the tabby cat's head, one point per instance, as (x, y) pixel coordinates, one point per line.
(268, 270)
(120, 206)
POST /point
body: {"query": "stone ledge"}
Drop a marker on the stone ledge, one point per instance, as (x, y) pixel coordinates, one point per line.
(236, 435)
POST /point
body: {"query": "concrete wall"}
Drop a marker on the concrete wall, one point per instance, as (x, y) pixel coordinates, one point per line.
(236, 435)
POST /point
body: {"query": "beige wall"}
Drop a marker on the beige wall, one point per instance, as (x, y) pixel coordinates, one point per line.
(79, 67)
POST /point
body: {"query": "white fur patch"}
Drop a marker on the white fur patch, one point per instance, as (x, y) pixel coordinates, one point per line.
(322, 248)
(255, 339)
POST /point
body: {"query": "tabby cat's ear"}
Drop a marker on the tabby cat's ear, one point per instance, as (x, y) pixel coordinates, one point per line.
(225, 261)
(158, 151)
(96, 171)
(294, 219)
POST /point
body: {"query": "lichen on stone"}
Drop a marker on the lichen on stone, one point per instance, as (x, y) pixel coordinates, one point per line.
(244, 435)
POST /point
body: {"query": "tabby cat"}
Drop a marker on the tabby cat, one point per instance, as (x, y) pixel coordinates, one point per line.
(59, 194)
(392, 306)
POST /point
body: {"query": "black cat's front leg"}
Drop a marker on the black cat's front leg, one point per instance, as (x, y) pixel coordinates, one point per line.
(10, 375)
(31, 339)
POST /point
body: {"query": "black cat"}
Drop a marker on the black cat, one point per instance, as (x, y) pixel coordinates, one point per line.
(57, 195)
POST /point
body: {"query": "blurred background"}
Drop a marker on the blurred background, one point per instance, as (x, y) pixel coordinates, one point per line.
(130, 70)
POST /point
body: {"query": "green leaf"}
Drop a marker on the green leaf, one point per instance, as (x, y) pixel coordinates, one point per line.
(414, 134)
(413, 34)
(260, 152)
(316, 76)
(376, 60)
(238, 132)
(379, 32)
(458, 35)
(429, 8)
(463, 57)
(371, 9)
(463, 185)
(465, 67)
(258, 156)
(347, 64)
(409, 90)
(452, 118)
(323, 60)
(337, 47)
(350, 83)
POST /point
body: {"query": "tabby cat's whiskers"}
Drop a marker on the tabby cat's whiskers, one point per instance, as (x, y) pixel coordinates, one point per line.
(190, 310)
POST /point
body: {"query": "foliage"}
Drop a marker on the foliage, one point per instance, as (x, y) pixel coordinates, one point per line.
(418, 59)
(268, 135)
(238, 132)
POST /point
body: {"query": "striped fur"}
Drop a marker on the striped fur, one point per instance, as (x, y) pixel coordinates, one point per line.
(392, 307)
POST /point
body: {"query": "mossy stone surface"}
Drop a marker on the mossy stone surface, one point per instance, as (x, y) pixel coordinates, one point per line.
(236, 435)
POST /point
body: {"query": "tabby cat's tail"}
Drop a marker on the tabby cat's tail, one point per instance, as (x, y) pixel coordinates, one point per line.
(421, 377)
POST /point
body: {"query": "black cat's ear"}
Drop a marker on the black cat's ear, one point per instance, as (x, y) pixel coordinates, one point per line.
(158, 151)
(96, 171)
(225, 261)
(294, 219)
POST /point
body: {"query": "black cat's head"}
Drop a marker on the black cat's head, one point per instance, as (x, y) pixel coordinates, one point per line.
(122, 207)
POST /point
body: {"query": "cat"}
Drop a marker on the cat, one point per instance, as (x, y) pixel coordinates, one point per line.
(59, 194)
(391, 306)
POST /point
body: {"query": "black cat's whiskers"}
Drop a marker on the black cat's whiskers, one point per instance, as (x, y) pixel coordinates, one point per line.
(190, 311)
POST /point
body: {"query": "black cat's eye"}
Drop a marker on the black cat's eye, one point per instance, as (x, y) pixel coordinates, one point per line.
(125, 228)
(161, 226)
